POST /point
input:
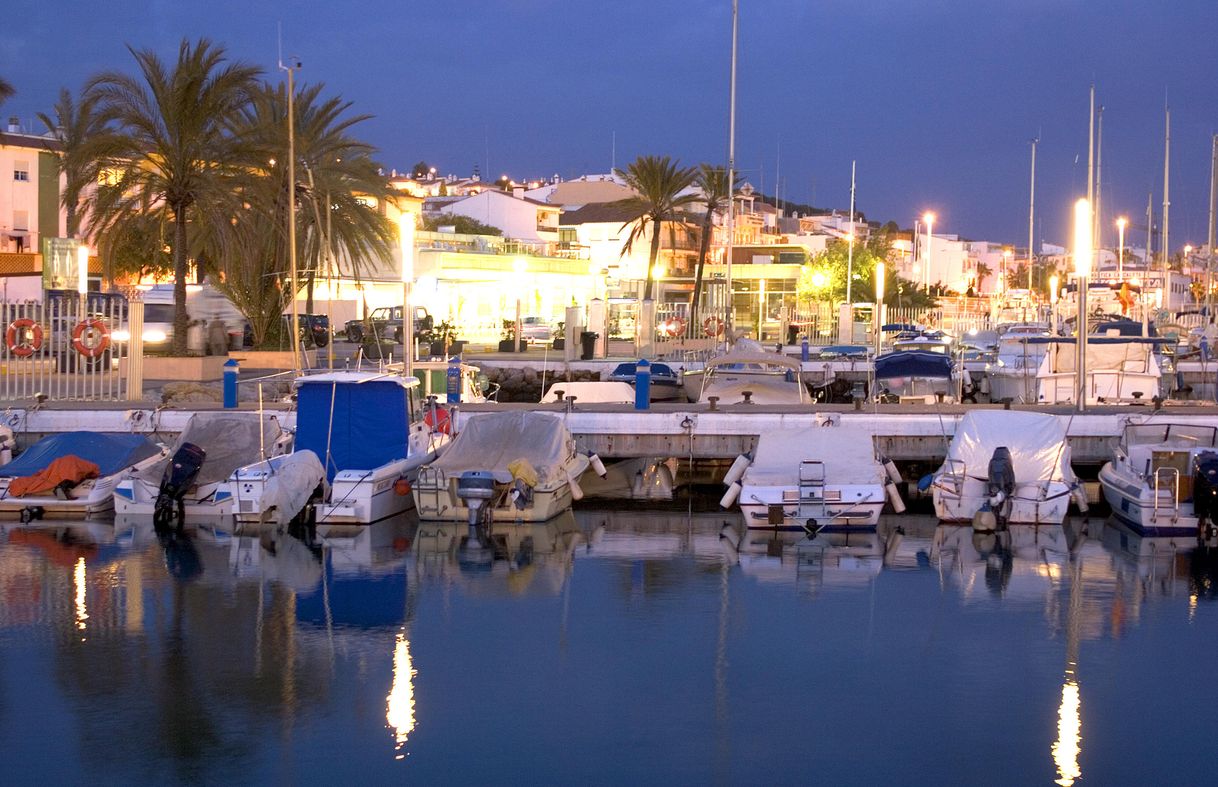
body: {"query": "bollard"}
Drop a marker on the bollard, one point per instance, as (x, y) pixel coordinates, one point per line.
(231, 369)
(642, 385)
(452, 380)
(803, 349)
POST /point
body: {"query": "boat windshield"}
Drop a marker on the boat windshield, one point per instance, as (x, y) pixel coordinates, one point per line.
(1191, 435)
(914, 386)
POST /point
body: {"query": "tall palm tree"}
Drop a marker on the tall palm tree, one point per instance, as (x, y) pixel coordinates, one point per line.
(712, 182)
(7, 90)
(74, 125)
(172, 144)
(657, 182)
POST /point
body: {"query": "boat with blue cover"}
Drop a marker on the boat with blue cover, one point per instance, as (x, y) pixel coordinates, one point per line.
(665, 382)
(915, 376)
(72, 495)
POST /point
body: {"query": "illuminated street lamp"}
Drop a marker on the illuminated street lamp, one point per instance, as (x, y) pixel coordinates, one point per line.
(929, 219)
(406, 242)
(519, 265)
(1121, 224)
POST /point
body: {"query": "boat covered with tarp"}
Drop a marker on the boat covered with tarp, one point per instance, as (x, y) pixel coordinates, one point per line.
(915, 376)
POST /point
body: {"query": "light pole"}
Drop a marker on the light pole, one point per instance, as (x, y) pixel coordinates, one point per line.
(929, 219)
(1082, 267)
(406, 241)
(1121, 222)
(292, 274)
(519, 266)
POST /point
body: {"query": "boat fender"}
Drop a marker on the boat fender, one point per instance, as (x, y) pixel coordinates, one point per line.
(401, 487)
(597, 465)
(576, 492)
(997, 499)
(894, 497)
(638, 485)
(890, 467)
(925, 481)
(984, 521)
(1080, 498)
(729, 497)
(736, 471)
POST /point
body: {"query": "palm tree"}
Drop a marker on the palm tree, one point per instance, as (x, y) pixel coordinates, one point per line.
(74, 125)
(712, 182)
(7, 90)
(172, 144)
(657, 182)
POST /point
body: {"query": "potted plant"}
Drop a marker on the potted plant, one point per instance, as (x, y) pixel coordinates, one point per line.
(560, 335)
(507, 343)
(443, 337)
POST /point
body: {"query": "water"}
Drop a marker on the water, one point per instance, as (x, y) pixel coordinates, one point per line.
(605, 647)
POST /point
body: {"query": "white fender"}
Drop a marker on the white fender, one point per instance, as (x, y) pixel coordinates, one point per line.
(597, 465)
(894, 497)
(729, 497)
(576, 492)
(736, 471)
(1080, 498)
(890, 467)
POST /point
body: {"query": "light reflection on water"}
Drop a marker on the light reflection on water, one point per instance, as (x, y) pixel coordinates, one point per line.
(703, 652)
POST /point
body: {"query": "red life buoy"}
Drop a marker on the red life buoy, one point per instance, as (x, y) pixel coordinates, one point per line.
(438, 420)
(98, 338)
(23, 337)
(713, 326)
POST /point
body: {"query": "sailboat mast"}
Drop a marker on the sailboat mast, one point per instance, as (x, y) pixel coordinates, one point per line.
(1165, 248)
(1209, 260)
(1098, 232)
(850, 241)
(1031, 218)
(731, 168)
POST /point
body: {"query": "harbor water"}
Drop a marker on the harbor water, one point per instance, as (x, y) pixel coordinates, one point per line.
(605, 646)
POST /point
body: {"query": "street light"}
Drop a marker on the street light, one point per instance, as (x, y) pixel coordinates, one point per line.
(406, 242)
(1121, 224)
(82, 273)
(519, 265)
(929, 219)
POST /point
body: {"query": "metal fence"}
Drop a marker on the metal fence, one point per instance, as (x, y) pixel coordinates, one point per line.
(64, 349)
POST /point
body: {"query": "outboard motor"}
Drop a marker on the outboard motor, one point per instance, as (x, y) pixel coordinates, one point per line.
(179, 477)
(1205, 495)
(476, 488)
(1001, 477)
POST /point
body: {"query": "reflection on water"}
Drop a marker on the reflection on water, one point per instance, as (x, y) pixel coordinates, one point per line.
(705, 650)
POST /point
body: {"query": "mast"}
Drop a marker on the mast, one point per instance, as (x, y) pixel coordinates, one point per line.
(850, 241)
(1031, 219)
(1164, 246)
(1209, 259)
(1098, 232)
(731, 169)
(1091, 165)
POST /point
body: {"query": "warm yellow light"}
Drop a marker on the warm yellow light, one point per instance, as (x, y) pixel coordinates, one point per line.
(406, 243)
(82, 269)
(879, 282)
(1188, 249)
(1069, 735)
(78, 579)
(659, 270)
(399, 705)
(520, 265)
(819, 279)
(928, 218)
(1122, 223)
(1006, 254)
(1054, 282)
(1082, 238)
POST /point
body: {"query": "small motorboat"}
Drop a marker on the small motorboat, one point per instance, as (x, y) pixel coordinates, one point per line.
(72, 474)
(1006, 467)
(1163, 479)
(513, 466)
(360, 440)
(753, 377)
(821, 478)
(665, 382)
(229, 440)
(915, 377)
(1119, 369)
(590, 392)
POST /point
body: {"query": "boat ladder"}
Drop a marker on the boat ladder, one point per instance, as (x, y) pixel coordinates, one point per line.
(1173, 492)
(813, 497)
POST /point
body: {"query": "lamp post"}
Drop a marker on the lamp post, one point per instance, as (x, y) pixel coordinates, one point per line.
(406, 242)
(519, 266)
(1121, 223)
(1082, 267)
(879, 304)
(929, 219)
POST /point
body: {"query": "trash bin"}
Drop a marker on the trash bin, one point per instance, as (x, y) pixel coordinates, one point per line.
(587, 343)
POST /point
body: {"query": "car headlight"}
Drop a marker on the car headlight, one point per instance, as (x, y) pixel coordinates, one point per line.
(154, 336)
(121, 335)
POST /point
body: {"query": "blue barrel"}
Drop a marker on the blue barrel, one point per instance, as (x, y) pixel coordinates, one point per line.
(231, 370)
(642, 385)
(452, 380)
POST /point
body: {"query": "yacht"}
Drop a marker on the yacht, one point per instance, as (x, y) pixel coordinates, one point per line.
(1119, 369)
(743, 376)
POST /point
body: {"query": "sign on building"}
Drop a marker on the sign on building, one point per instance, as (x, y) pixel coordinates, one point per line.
(59, 264)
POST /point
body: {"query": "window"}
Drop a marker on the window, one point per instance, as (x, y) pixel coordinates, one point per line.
(21, 171)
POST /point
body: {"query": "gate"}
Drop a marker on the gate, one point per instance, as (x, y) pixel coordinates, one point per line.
(68, 347)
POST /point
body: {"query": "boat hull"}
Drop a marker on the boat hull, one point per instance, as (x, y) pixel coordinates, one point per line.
(362, 497)
(1132, 502)
(136, 497)
(858, 508)
(90, 498)
(1032, 504)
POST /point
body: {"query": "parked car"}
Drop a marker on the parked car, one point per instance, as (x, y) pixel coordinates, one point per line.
(536, 330)
(314, 329)
(386, 323)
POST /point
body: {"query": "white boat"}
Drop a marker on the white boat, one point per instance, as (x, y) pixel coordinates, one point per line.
(360, 440)
(1162, 478)
(822, 478)
(590, 392)
(230, 439)
(512, 466)
(1012, 373)
(74, 494)
(1013, 465)
(756, 377)
(1119, 369)
(916, 377)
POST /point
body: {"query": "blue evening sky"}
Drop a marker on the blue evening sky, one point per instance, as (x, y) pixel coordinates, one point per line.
(937, 100)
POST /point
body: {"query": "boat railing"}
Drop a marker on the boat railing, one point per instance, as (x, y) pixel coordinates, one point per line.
(1173, 475)
(955, 475)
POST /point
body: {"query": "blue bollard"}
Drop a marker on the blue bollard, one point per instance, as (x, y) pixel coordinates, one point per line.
(452, 380)
(642, 385)
(803, 349)
(231, 369)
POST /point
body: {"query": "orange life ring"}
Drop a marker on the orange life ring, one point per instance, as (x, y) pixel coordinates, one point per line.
(676, 327)
(438, 420)
(713, 326)
(99, 338)
(23, 337)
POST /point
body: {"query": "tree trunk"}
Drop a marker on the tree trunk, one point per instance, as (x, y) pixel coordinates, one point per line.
(651, 261)
(703, 250)
(181, 322)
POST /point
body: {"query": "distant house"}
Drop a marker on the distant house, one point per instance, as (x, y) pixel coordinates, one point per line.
(518, 216)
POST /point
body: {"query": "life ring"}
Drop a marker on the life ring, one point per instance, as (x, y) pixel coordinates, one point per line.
(23, 337)
(713, 326)
(676, 327)
(98, 338)
(438, 420)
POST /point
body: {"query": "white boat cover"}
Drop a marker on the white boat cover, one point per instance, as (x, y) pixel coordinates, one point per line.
(1106, 357)
(1037, 443)
(296, 476)
(231, 440)
(605, 392)
(491, 441)
(848, 453)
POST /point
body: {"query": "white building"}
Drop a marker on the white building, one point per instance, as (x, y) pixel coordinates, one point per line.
(520, 217)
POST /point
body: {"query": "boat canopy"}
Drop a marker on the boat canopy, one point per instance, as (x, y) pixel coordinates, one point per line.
(231, 440)
(750, 361)
(848, 454)
(606, 392)
(111, 453)
(492, 441)
(1037, 442)
(913, 363)
(353, 420)
(1103, 354)
(627, 370)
